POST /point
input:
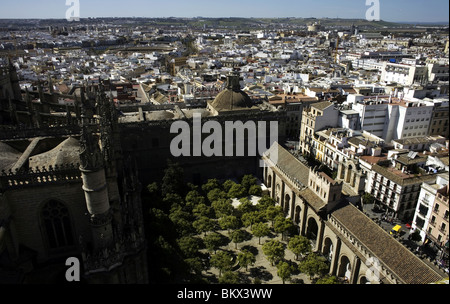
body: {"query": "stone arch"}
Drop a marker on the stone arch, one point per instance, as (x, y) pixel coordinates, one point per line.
(342, 171)
(363, 280)
(349, 174)
(287, 201)
(312, 229)
(56, 225)
(278, 193)
(344, 268)
(328, 248)
(297, 214)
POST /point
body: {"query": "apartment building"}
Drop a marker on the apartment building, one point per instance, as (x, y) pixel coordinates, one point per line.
(420, 143)
(432, 213)
(439, 119)
(393, 118)
(373, 115)
(438, 233)
(293, 104)
(413, 119)
(404, 74)
(318, 116)
(394, 190)
(438, 72)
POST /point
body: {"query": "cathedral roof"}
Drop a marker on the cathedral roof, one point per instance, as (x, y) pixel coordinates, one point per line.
(66, 152)
(8, 156)
(159, 115)
(190, 113)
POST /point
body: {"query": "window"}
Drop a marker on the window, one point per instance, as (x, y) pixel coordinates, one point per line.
(436, 208)
(57, 225)
(423, 210)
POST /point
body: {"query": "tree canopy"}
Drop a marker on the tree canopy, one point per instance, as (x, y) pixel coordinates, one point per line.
(259, 230)
(313, 265)
(222, 260)
(299, 245)
(274, 251)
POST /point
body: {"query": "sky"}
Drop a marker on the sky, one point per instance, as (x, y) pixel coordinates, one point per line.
(390, 10)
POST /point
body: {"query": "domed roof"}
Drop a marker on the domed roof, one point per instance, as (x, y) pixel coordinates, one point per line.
(232, 98)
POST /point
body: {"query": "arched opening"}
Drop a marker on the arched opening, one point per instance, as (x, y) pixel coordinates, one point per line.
(349, 174)
(57, 225)
(278, 193)
(343, 169)
(269, 181)
(287, 200)
(344, 270)
(312, 230)
(363, 280)
(297, 215)
(328, 249)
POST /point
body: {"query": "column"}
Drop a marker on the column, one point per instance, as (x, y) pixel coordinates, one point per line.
(335, 260)
(274, 188)
(320, 236)
(355, 270)
(292, 207)
(303, 220)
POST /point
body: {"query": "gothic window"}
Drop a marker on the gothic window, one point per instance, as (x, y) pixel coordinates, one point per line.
(57, 225)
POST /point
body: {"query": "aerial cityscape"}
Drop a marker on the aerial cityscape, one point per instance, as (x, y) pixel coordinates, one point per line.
(241, 142)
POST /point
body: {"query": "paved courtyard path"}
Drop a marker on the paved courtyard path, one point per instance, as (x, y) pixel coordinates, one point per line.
(262, 268)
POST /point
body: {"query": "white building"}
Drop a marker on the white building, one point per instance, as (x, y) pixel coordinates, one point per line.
(404, 74)
(393, 118)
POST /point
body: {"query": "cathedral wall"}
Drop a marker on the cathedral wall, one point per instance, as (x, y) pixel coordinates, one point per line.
(150, 144)
(26, 207)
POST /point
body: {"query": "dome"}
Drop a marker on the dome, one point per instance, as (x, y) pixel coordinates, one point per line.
(232, 98)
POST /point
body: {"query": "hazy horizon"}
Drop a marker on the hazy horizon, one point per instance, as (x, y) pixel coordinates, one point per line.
(400, 11)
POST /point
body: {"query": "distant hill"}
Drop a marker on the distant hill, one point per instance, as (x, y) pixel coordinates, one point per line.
(224, 22)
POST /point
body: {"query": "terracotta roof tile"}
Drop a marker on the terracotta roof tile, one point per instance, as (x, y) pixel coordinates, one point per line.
(408, 267)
